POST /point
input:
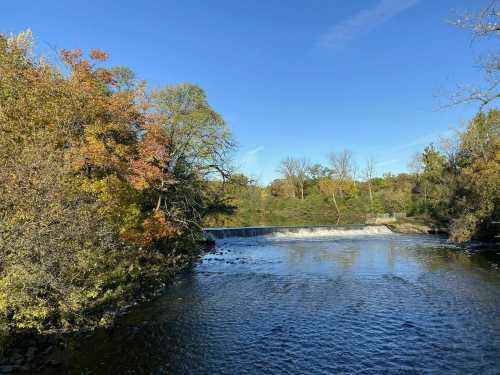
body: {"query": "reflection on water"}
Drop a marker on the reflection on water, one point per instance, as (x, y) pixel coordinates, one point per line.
(318, 305)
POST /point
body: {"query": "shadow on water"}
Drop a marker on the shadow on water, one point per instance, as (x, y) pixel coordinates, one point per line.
(322, 305)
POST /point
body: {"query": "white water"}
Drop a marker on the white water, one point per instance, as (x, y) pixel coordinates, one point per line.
(332, 232)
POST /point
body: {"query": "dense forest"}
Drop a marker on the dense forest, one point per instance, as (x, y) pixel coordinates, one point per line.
(106, 184)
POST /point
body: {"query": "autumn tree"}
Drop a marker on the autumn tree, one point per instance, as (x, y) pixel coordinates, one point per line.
(281, 188)
(65, 141)
(343, 171)
(186, 144)
(328, 188)
(103, 188)
(475, 199)
(295, 171)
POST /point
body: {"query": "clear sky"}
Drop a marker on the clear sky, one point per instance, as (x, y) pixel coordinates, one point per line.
(301, 78)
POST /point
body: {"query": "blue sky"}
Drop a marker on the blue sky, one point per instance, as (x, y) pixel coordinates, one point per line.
(301, 78)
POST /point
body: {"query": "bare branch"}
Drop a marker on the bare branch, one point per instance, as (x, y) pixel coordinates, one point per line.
(485, 23)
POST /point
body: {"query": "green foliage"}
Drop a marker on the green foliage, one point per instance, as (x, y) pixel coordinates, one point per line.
(99, 198)
(276, 205)
(475, 197)
(458, 187)
(461, 187)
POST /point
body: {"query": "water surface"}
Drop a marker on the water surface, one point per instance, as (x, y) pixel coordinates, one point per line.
(374, 304)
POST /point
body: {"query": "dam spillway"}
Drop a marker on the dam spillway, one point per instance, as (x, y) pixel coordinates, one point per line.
(297, 231)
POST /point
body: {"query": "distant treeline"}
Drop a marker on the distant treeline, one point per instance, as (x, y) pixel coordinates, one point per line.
(455, 183)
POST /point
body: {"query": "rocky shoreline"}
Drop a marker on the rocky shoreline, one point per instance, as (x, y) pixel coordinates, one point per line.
(416, 228)
(29, 351)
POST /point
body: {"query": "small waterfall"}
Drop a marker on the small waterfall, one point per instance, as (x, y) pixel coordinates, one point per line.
(327, 232)
(298, 232)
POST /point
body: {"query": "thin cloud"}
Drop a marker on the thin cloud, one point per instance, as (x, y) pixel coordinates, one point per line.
(249, 158)
(255, 150)
(363, 22)
(425, 140)
(387, 162)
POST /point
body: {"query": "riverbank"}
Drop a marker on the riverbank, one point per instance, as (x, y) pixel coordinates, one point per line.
(26, 350)
(417, 226)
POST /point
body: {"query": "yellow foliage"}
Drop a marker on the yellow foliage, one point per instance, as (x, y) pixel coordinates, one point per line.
(76, 229)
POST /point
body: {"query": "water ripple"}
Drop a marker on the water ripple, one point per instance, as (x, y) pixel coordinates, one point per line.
(386, 304)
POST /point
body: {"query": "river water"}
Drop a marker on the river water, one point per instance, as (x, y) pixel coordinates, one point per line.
(307, 304)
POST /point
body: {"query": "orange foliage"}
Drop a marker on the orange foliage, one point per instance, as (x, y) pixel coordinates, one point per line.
(154, 228)
(150, 168)
(83, 172)
(71, 56)
(98, 55)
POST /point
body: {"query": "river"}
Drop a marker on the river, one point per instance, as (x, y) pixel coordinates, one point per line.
(313, 304)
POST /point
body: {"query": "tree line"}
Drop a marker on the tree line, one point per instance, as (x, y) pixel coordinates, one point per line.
(453, 184)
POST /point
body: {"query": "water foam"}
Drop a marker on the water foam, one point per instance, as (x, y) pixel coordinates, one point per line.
(332, 232)
(298, 232)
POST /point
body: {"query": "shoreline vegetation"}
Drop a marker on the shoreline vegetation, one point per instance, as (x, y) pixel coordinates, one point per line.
(453, 185)
(453, 188)
(107, 184)
(104, 185)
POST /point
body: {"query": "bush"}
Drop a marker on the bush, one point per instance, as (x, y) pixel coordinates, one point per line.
(93, 208)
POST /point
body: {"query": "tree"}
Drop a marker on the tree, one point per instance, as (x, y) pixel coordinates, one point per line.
(65, 142)
(460, 186)
(433, 177)
(124, 79)
(343, 170)
(317, 171)
(475, 200)
(369, 173)
(328, 188)
(295, 172)
(483, 24)
(103, 188)
(281, 188)
(185, 143)
(198, 136)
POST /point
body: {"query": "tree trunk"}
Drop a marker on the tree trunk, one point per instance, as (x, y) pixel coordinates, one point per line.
(425, 198)
(336, 206)
(371, 196)
(158, 204)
